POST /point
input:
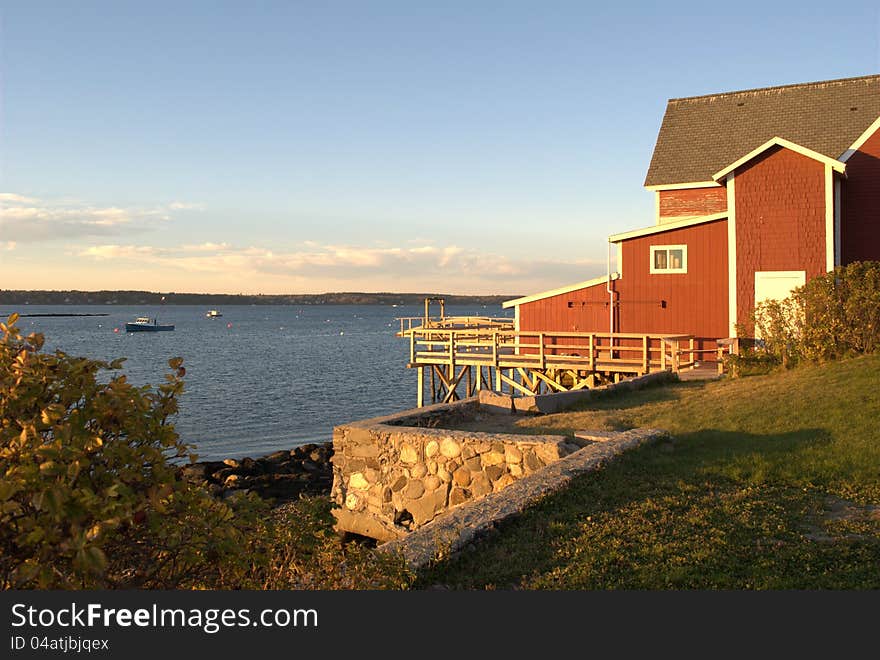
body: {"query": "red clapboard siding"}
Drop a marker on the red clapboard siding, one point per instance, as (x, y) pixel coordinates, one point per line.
(588, 312)
(780, 220)
(692, 202)
(695, 302)
(860, 204)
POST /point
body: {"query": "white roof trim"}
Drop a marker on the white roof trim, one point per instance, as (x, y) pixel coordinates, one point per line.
(666, 226)
(860, 141)
(683, 186)
(836, 165)
(556, 292)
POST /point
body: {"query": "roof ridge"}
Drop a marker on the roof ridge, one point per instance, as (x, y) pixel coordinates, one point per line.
(872, 76)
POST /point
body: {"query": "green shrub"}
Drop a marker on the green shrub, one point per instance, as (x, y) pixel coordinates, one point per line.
(832, 316)
(89, 496)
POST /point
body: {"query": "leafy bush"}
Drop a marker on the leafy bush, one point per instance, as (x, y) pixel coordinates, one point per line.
(830, 317)
(90, 496)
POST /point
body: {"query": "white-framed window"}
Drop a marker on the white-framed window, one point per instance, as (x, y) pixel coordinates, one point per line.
(669, 258)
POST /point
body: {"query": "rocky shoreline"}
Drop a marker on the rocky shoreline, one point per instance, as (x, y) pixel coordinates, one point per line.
(281, 476)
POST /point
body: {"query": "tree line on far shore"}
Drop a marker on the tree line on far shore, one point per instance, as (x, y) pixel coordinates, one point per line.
(16, 297)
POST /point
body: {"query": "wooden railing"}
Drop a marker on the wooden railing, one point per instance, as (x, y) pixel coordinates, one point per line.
(506, 348)
(411, 323)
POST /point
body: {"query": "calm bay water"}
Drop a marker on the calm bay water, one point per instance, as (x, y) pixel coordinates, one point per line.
(260, 378)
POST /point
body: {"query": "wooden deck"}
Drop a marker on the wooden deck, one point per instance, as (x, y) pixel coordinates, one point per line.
(462, 355)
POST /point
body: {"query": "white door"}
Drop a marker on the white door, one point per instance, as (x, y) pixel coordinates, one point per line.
(776, 285)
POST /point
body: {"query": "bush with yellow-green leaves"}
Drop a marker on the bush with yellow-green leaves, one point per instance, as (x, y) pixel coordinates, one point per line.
(831, 317)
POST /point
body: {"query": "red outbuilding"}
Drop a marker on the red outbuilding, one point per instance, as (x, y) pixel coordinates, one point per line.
(756, 192)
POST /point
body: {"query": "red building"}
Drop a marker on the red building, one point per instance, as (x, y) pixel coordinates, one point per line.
(756, 192)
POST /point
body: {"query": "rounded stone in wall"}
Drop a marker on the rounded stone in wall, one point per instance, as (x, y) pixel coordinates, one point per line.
(351, 501)
(432, 482)
(480, 485)
(512, 454)
(408, 454)
(462, 477)
(357, 481)
(414, 489)
(492, 458)
(432, 448)
(419, 470)
(444, 474)
(450, 448)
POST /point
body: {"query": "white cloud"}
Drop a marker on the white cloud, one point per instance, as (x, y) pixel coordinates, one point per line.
(103, 252)
(206, 247)
(29, 220)
(16, 199)
(186, 206)
(345, 266)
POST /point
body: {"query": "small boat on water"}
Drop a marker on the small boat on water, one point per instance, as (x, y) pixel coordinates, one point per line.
(145, 324)
(213, 314)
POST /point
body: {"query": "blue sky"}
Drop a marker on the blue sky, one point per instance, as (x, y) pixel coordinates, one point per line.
(304, 147)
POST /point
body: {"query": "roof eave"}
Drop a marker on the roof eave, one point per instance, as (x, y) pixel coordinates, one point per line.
(836, 165)
(559, 291)
(654, 187)
(666, 226)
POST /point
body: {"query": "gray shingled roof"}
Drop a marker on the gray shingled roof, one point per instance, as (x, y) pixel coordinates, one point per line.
(701, 135)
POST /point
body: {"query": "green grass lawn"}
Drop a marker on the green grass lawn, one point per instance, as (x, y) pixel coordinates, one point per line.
(770, 482)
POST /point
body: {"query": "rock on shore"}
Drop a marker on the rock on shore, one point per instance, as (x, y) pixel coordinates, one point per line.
(281, 476)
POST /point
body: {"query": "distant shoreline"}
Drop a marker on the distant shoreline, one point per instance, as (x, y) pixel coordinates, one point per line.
(15, 297)
(70, 314)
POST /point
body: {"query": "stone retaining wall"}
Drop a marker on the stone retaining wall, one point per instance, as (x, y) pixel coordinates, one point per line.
(388, 480)
(395, 474)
